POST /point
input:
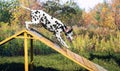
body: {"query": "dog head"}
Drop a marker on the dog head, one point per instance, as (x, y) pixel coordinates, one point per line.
(69, 34)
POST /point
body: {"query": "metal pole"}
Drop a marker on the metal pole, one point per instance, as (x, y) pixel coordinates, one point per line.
(25, 51)
(31, 55)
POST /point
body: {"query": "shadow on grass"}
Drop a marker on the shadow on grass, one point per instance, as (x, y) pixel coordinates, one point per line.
(20, 67)
(106, 57)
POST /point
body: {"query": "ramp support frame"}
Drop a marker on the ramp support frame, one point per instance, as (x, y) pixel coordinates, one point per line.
(27, 34)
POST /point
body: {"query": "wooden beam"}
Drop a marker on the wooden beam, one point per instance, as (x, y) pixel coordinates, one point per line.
(22, 37)
(31, 55)
(10, 38)
(25, 51)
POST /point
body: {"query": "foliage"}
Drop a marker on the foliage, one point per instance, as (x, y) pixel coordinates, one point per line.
(6, 9)
(96, 33)
(96, 40)
(116, 12)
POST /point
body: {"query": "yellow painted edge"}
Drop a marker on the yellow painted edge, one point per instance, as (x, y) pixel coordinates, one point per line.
(25, 51)
(10, 38)
(22, 37)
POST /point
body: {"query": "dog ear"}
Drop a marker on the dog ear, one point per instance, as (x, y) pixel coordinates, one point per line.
(68, 29)
(71, 30)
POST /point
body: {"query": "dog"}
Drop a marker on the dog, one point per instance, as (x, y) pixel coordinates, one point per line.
(50, 23)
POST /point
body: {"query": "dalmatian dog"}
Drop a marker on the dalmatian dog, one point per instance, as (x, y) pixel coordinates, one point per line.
(50, 23)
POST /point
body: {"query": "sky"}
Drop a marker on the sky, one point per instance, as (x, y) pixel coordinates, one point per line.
(84, 4)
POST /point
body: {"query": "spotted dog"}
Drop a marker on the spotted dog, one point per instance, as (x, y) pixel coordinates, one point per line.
(50, 23)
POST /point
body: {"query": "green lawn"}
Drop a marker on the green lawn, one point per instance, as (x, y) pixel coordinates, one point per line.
(52, 62)
(56, 62)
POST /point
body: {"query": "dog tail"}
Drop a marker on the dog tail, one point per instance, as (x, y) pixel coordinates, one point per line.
(25, 7)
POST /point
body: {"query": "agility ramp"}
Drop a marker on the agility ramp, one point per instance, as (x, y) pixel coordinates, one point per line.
(32, 34)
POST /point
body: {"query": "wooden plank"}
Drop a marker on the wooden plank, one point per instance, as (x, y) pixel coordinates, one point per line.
(93, 66)
(89, 64)
(64, 51)
(99, 68)
(71, 54)
(86, 62)
(79, 59)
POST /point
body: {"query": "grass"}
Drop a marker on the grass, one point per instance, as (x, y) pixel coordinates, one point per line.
(52, 62)
(110, 61)
(57, 62)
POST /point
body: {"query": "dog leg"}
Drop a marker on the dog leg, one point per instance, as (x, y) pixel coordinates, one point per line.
(27, 23)
(61, 40)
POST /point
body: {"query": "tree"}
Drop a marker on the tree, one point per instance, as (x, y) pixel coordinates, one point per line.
(104, 15)
(116, 12)
(66, 12)
(20, 14)
(6, 9)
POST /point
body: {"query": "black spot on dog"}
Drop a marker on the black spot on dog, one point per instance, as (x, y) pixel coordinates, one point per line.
(34, 18)
(35, 15)
(54, 26)
(51, 27)
(48, 22)
(52, 17)
(45, 17)
(43, 14)
(39, 16)
(42, 19)
(45, 26)
(36, 12)
(56, 22)
(64, 28)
